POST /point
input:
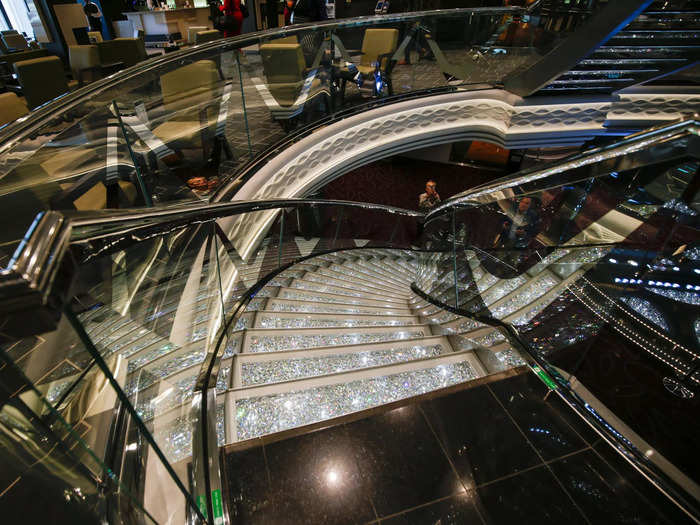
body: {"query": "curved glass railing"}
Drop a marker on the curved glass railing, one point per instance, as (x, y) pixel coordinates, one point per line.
(595, 265)
(136, 353)
(190, 125)
(126, 323)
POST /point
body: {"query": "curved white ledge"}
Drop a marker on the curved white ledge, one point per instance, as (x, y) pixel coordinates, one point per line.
(490, 115)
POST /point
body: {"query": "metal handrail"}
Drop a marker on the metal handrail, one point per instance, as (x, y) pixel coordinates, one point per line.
(32, 281)
(567, 169)
(27, 283)
(35, 264)
(13, 133)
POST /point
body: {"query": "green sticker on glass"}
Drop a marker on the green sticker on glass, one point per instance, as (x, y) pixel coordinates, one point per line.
(217, 506)
(544, 377)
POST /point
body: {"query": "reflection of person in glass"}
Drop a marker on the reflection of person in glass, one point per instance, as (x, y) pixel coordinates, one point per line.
(429, 199)
(519, 230)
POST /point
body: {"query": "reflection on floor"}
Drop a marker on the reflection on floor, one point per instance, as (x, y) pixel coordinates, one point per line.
(627, 382)
(501, 453)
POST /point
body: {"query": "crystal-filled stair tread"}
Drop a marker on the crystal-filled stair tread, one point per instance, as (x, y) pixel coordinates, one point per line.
(273, 413)
(358, 281)
(356, 293)
(326, 297)
(351, 271)
(342, 283)
(283, 305)
(261, 342)
(256, 373)
(281, 320)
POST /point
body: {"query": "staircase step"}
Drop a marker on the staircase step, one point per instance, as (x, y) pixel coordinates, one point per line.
(269, 409)
(350, 286)
(294, 320)
(274, 340)
(366, 282)
(366, 273)
(289, 305)
(339, 290)
(275, 367)
(326, 297)
(381, 269)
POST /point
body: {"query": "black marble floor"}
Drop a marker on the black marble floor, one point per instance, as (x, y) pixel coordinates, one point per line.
(500, 453)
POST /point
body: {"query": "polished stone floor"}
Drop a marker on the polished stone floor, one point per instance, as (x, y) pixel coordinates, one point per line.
(499, 453)
(630, 383)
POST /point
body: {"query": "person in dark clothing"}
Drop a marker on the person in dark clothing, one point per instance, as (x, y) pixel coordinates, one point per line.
(309, 11)
(94, 15)
(520, 229)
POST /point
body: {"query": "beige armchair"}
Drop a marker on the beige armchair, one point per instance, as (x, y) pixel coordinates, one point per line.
(284, 68)
(207, 36)
(289, 84)
(128, 51)
(84, 60)
(41, 79)
(190, 104)
(377, 44)
(11, 108)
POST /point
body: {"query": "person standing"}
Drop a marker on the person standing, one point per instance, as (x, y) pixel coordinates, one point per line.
(94, 15)
(232, 9)
(431, 198)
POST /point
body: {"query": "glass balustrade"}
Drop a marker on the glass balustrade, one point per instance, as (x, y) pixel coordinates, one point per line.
(193, 124)
(586, 270)
(592, 269)
(140, 363)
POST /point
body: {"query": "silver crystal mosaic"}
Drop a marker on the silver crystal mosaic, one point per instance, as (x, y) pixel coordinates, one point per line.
(146, 378)
(175, 438)
(326, 309)
(287, 370)
(577, 258)
(490, 339)
(546, 261)
(57, 390)
(509, 358)
(172, 395)
(680, 296)
(313, 322)
(446, 318)
(276, 343)
(274, 413)
(314, 287)
(521, 298)
(353, 272)
(486, 282)
(501, 289)
(646, 309)
(467, 325)
(154, 354)
(288, 294)
(461, 342)
(232, 347)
